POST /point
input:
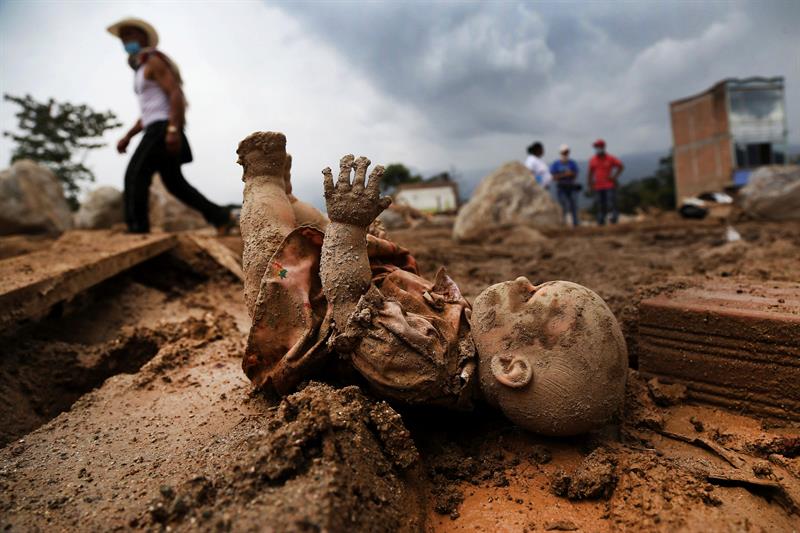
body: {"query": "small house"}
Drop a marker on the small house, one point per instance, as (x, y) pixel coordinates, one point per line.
(721, 134)
(433, 196)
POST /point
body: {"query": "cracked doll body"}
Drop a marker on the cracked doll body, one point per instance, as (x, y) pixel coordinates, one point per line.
(349, 294)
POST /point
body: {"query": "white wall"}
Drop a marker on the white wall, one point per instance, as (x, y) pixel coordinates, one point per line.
(432, 199)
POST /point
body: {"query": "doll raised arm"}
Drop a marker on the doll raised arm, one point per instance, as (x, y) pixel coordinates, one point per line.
(352, 207)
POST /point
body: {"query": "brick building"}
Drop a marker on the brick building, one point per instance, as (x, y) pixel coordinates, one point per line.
(721, 134)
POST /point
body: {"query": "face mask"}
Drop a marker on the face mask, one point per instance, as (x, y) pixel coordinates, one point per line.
(133, 48)
(599, 151)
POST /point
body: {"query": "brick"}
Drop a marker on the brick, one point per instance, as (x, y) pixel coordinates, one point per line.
(733, 343)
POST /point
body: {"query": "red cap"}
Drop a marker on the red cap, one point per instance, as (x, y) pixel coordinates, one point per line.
(599, 143)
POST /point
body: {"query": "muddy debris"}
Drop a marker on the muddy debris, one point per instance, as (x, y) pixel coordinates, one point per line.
(595, 478)
(323, 459)
(666, 394)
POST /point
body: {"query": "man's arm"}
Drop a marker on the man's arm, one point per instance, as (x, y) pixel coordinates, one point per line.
(123, 143)
(590, 178)
(344, 267)
(156, 69)
(617, 172)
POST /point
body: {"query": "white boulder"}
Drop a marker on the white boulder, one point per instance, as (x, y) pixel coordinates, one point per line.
(102, 209)
(32, 200)
(507, 197)
(773, 193)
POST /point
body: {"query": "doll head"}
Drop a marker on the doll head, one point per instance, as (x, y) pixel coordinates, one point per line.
(552, 356)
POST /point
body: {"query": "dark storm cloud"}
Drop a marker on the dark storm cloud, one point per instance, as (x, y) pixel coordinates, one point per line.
(466, 66)
(480, 68)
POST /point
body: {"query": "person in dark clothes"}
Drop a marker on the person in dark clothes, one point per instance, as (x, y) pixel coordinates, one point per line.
(164, 146)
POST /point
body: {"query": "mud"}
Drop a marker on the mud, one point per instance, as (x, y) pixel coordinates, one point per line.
(182, 443)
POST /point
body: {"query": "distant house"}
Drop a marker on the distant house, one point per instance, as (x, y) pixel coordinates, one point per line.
(721, 134)
(434, 196)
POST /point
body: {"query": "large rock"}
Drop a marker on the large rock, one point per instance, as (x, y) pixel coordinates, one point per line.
(102, 209)
(509, 196)
(773, 193)
(170, 214)
(32, 200)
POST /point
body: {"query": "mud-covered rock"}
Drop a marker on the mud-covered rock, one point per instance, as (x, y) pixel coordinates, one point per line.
(508, 196)
(773, 193)
(170, 214)
(32, 200)
(102, 209)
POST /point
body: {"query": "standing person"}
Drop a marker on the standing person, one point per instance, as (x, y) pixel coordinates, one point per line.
(538, 167)
(565, 174)
(164, 146)
(604, 171)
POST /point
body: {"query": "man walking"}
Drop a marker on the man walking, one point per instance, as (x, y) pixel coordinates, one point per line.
(565, 174)
(164, 146)
(538, 168)
(604, 171)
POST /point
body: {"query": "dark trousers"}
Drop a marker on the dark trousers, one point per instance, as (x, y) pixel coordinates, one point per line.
(568, 198)
(607, 203)
(151, 156)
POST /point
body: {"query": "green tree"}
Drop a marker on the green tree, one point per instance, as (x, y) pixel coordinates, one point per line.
(397, 174)
(656, 191)
(59, 135)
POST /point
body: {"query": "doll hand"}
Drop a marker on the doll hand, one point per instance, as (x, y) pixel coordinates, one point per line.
(356, 204)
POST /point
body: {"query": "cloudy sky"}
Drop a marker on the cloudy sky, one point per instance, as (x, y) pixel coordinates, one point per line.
(444, 85)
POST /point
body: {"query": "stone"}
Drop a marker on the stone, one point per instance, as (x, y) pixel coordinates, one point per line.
(170, 214)
(102, 209)
(32, 200)
(773, 193)
(507, 197)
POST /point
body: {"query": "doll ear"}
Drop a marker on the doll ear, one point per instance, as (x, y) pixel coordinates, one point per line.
(512, 371)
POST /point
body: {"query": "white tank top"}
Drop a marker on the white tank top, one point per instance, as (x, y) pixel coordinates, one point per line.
(153, 101)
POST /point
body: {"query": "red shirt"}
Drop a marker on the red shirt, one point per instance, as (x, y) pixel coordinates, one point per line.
(602, 167)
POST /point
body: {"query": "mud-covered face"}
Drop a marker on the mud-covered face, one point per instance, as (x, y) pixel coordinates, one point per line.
(542, 352)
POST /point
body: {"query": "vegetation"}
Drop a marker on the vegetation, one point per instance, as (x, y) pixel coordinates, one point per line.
(656, 191)
(397, 174)
(59, 135)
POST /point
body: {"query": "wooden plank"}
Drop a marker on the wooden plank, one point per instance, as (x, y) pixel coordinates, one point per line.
(31, 284)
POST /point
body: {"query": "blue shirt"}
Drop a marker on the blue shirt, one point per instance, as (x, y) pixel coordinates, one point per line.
(559, 166)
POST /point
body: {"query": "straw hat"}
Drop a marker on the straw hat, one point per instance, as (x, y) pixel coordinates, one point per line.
(152, 35)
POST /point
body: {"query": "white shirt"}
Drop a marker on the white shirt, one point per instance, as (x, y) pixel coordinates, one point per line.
(539, 169)
(153, 101)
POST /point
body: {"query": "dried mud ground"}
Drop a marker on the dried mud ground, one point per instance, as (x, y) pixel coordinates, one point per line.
(127, 409)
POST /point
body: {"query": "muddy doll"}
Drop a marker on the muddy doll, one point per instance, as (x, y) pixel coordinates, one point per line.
(551, 357)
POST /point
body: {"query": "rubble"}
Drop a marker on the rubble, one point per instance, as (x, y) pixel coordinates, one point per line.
(102, 209)
(32, 200)
(507, 197)
(146, 421)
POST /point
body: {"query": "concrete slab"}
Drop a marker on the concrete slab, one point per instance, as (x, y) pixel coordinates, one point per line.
(733, 343)
(31, 284)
